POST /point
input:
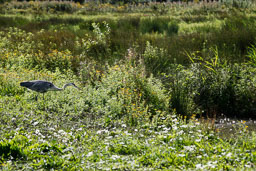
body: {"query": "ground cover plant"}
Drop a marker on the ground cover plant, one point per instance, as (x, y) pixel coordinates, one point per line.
(151, 79)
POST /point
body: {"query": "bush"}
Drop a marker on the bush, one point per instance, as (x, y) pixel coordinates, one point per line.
(220, 86)
(95, 46)
(156, 59)
(252, 55)
(123, 92)
(153, 25)
(181, 83)
(10, 150)
(28, 50)
(172, 28)
(235, 36)
(40, 7)
(211, 87)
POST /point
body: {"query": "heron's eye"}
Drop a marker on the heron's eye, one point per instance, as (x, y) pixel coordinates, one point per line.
(50, 85)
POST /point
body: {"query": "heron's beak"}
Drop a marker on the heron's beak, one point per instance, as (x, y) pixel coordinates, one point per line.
(77, 87)
(55, 89)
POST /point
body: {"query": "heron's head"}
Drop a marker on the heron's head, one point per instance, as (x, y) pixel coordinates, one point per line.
(52, 87)
(71, 84)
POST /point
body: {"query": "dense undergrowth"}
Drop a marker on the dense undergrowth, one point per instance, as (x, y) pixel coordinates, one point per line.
(143, 80)
(122, 121)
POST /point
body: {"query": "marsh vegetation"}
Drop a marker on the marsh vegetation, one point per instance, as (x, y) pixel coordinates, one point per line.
(152, 78)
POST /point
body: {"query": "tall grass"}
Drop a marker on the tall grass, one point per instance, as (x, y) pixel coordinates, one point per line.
(160, 43)
(174, 34)
(138, 98)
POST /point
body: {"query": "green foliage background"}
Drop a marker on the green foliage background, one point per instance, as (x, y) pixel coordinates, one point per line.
(148, 76)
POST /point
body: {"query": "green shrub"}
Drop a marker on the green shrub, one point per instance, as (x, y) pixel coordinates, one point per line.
(6, 21)
(156, 59)
(28, 50)
(235, 36)
(219, 87)
(181, 82)
(8, 87)
(13, 149)
(252, 55)
(210, 86)
(153, 25)
(172, 28)
(40, 7)
(124, 92)
(95, 46)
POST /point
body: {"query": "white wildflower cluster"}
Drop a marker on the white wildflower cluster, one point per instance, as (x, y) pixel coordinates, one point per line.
(190, 148)
(104, 131)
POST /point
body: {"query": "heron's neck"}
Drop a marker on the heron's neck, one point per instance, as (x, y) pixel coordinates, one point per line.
(66, 85)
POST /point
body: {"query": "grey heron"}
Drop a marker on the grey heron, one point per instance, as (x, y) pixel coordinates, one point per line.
(43, 86)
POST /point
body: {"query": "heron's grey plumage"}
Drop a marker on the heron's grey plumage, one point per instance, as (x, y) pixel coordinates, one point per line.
(44, 86)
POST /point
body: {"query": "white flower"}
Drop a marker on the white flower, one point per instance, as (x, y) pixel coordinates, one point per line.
(35, 123)
(199, 166)
(109, 137)
(190, 148)
(197, 140)
(181, 132)
(172, 148)
(199, 157)
(248, 164)
(229, 154)
(89, 154)
(37, 131)
(62, 132)
(102, 131)
(114, 157)
(51, 129)
(166, 129)
(200, 135)
(211, 165)
(174, 127)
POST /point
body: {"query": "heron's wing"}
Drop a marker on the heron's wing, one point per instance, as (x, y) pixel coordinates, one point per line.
(39, 86)
(27, 84)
